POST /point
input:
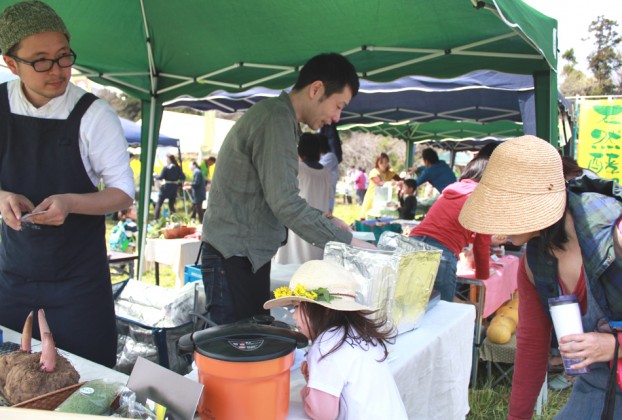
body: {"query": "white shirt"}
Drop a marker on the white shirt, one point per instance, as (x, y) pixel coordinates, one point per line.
(365, 387)
(103, 147)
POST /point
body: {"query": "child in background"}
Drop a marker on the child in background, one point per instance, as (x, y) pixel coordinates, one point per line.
(346, 370)
(123, 235)
(408, 200)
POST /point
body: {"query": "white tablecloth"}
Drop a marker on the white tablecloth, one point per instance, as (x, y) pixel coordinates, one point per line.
(176, 253)
(431, 365)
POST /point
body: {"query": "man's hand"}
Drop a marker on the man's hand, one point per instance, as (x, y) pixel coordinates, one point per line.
(12, 206)
(57, 208)
(362, 244)
(340, 223)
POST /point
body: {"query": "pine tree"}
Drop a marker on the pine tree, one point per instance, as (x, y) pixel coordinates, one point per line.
(606, 60)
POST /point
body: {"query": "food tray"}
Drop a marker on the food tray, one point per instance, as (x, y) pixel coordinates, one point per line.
(50, 400)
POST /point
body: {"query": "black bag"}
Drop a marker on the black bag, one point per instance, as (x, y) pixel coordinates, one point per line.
(156, 344)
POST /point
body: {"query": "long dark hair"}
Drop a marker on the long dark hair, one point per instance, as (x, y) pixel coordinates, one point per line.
(555, 236)
(368, 331)
(475, 169)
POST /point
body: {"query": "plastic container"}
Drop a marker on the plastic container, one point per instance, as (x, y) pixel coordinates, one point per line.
(192, 273)
(244, 368)
(566, 316)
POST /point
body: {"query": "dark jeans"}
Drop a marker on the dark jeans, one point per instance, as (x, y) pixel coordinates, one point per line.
(197, 211)
(360, 195)
(233, 292)
(167, 191)
(446, 277)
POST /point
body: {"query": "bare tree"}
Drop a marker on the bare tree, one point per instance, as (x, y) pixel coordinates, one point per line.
(361, 150)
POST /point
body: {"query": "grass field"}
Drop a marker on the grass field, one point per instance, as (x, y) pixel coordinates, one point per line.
(486, 402)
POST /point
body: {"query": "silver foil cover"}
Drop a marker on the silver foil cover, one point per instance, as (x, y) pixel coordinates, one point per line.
(396, 279)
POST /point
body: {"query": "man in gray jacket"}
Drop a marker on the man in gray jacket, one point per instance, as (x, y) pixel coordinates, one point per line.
(254, 195)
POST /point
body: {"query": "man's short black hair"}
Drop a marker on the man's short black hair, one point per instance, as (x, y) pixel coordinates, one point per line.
(332, 69)
(430, 155)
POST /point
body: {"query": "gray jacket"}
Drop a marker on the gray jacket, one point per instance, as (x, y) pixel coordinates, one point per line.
(255, 195)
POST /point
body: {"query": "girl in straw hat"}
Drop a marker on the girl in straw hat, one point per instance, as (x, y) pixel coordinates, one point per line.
(346, 370)
(574, 246)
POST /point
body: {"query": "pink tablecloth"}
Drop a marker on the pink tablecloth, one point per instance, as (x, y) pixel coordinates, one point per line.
(499, 287)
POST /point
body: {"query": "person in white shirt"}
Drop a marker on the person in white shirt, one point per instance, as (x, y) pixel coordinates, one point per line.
(329, 160)
(346, 370)
(56, 143)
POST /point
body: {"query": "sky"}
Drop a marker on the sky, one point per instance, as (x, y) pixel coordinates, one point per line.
(573, 20)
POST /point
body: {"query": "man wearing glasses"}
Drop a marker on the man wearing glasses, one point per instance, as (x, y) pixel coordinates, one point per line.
(56, 143)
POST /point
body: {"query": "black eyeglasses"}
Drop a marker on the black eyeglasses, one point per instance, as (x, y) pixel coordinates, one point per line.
(45, 64)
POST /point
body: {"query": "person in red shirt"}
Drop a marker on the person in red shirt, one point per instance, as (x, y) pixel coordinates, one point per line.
(440, 228)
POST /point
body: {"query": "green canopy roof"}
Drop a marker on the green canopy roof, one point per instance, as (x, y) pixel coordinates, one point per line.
(157, 50)
(194, 46)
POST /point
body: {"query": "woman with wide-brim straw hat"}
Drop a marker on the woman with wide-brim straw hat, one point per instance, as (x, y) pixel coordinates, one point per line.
(346, 369)
(574, 246)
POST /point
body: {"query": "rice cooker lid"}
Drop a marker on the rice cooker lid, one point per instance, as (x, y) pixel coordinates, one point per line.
(247, 342)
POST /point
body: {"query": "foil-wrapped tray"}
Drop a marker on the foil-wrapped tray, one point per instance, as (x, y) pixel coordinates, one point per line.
(396, 279)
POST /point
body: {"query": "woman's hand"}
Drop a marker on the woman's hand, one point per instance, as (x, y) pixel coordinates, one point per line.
(591, 347)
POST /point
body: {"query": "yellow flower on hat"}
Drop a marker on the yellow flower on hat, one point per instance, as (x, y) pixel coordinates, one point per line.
(321, 294)
(283, 292)
(300, 290)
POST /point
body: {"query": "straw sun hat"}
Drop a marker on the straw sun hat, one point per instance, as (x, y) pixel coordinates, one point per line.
(321, 282)
(522, 190)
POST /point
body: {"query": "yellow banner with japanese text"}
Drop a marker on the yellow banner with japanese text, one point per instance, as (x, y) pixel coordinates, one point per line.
(599, 142)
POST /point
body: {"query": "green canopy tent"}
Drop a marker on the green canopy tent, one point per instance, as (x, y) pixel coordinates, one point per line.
(157, 50)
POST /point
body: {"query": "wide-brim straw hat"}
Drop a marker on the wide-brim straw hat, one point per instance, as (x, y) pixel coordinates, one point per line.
(319, 274)
(522, 190)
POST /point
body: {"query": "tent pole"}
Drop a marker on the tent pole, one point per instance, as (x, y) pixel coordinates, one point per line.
(147, 144)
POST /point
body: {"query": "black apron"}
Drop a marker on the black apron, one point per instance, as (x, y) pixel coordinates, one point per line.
(62, 269)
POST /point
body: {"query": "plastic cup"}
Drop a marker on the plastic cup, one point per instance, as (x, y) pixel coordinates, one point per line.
(566, 316)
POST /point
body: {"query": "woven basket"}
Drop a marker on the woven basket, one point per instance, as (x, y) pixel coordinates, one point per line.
(51, 400)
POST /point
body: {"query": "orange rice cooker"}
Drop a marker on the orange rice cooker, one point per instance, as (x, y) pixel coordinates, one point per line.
(244, 368)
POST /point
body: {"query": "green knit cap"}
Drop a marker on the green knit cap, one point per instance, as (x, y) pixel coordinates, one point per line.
(23, 19)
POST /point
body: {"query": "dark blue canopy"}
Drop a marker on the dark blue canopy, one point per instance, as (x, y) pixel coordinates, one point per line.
(132, 135)
(482, 96)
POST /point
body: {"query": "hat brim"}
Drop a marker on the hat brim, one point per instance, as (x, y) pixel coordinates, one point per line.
(496, 211)
(338, 304)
